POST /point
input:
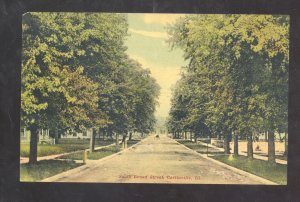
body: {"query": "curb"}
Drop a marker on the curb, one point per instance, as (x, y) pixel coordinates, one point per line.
(254, 177)
(92, 164)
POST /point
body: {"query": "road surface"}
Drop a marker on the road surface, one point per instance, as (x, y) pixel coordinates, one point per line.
(159, 161)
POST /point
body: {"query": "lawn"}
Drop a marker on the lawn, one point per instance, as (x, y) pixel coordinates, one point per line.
(93, 156)
(281, 157)
(45, 169)
(64, 146)
(273, 172)
(99, 154)
(199, 148)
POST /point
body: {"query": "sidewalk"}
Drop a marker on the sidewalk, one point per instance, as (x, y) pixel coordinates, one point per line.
(90, 164)
(24, 160)
(280, 161)
(168, 162)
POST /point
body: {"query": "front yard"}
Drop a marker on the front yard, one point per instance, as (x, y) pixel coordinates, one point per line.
(64, 146)
(45, 169)
(274, 172)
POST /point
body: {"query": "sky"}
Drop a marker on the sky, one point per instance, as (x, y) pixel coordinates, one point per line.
(147, 44)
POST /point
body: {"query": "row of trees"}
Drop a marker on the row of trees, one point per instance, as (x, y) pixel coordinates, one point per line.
(77, 75)
(236, 82)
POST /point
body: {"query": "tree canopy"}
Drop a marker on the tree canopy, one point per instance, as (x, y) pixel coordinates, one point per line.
(237, 76)
(76, 75)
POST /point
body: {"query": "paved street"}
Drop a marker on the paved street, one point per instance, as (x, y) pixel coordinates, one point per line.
(159, 161)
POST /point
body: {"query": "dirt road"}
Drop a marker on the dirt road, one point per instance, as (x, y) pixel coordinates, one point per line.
(160, 160)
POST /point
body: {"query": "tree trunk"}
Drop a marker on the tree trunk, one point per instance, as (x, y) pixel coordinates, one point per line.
(33, 145)
(130, 136)
(226, 144)
(249, 146)
(56, 136)
(99, 134)
(110, 134)
(280, 138)
(285, 145)
(271, 147)
(266, 136)
(236, 144)
(92, 141)
(94, 137)
(117, 141)
(124, 138)
(191, 136)
(185, 136)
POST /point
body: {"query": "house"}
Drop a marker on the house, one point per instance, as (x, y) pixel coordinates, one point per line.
(44, 137)
(79, 135)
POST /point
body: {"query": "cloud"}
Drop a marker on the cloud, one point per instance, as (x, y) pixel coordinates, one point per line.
(161, 18)
(162, 35)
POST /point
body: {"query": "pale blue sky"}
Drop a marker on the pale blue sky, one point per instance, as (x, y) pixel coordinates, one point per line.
(147, 44)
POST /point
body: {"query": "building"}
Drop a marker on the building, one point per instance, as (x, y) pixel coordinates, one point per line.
(44, 137)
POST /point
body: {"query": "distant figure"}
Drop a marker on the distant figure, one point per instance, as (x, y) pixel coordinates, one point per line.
(257, 148)
(157, 137)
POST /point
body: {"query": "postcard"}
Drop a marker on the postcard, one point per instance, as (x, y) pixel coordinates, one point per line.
(154, 98)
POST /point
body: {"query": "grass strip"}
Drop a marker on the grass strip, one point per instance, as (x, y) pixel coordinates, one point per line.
(93, 156)
(200, 148)
(44, 169)
(64, 146)
(99, 154)
(273, 172)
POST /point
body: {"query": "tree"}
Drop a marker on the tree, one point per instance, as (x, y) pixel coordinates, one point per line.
(55, 92)
(76, 75)
(234, 63)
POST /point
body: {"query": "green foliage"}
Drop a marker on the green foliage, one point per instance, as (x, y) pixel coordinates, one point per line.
(237, 77)
(55, 91)
(77, 75)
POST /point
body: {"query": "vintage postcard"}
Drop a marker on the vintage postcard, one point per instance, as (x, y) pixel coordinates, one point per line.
(154, 98)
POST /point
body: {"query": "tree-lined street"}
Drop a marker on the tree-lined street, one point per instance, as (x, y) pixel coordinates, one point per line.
(106, 76)
(160, 160)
